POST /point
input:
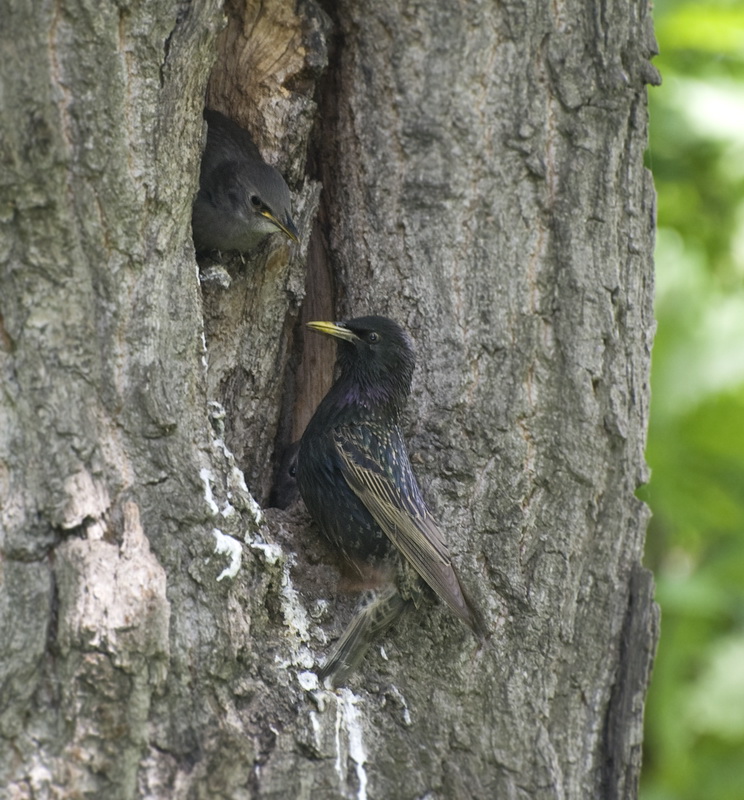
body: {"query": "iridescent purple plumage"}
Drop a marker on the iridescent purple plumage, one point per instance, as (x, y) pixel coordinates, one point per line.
(355, 477)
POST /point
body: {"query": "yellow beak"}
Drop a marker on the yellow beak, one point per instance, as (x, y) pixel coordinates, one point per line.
(333, 329)
(287, 228)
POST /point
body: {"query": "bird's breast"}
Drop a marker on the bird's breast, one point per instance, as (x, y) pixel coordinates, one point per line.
(340, 514)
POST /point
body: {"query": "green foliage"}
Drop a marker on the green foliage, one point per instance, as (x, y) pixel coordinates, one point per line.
(695, 710)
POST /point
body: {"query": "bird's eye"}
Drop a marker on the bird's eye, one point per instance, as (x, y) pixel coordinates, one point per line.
(255, 200)
(293, 471)
(373, 337)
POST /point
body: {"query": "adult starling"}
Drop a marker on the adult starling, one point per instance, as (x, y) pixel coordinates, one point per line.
(241, 198)
(355, 477)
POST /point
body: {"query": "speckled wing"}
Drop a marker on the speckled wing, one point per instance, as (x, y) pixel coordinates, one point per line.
(375, 464)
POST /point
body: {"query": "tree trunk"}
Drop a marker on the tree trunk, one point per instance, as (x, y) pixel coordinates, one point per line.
(482, 183)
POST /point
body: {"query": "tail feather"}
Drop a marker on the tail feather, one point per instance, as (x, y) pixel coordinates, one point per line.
(367, 624)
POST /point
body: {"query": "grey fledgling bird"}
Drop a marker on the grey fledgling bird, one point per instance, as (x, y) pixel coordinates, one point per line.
(241, 198)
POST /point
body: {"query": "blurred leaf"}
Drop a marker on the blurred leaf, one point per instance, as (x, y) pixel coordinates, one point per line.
(716, 702)
(695, 711)
(704, 27)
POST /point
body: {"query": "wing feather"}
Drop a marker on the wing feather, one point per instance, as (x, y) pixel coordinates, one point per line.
(398, 508)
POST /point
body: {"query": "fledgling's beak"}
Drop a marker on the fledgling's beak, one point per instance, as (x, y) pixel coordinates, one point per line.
(288, 227)
(335, 329)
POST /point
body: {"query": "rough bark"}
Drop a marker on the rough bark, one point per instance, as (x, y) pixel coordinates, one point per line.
(482, 179)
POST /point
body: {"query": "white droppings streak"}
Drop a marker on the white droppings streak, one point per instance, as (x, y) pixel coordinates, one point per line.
(316, 726)
(254, 507)
(226, 544)
(308, 681)
(293, 611)
(340, 765)
(348, 717)
(272, 552)
(40, 780)
(207, 477)
(403, 704)
(204, 346)
(295, 616)
(238, 479)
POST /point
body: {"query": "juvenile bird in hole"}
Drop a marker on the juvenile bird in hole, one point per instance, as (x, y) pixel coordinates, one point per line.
(241, 198)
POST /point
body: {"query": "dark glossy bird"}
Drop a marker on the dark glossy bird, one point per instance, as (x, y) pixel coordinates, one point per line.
(241, 198)
(355, 477)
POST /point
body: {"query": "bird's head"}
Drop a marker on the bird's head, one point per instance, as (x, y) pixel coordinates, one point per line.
(261, 199)
(375, 359)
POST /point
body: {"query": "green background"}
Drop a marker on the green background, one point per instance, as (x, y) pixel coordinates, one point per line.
(694, 729)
